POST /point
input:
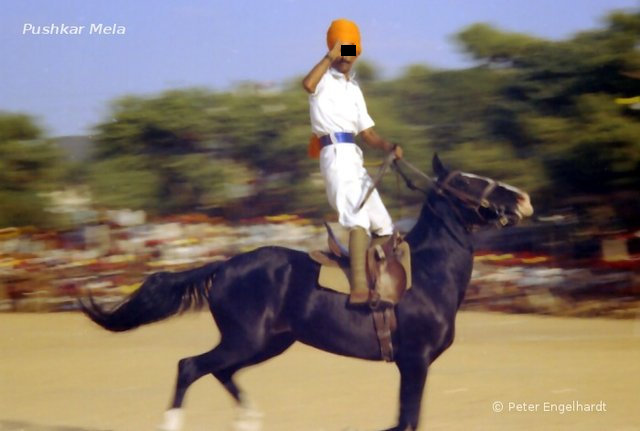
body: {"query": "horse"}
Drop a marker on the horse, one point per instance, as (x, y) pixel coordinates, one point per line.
(265, 300)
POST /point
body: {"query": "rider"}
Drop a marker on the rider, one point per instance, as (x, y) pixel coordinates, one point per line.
(339, 113)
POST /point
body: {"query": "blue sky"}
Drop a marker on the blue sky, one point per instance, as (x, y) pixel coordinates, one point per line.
(67, 81)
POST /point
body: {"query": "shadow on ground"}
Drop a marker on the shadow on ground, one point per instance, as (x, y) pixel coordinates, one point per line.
(8, 425)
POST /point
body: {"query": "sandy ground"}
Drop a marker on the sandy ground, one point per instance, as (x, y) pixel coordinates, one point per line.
(61, 372)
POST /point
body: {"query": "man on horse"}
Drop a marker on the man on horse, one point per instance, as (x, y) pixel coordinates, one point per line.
(339, 113)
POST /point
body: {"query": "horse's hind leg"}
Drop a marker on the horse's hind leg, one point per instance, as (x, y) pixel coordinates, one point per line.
(191, 369)
(223, 361)
(248, 418)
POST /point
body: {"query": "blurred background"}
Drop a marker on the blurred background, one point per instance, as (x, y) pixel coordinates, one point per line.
(184, 139)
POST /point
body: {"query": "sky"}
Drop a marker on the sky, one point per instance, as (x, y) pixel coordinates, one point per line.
(67, 81)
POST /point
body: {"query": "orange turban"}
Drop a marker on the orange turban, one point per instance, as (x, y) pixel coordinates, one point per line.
(345, 31)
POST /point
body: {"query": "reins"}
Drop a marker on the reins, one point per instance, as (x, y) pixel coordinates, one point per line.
(378, 177)
(410, 184)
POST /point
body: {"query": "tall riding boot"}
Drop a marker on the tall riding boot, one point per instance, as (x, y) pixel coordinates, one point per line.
(358, 243)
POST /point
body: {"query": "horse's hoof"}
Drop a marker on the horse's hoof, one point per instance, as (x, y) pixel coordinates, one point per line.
(248, 420)
(173, 420)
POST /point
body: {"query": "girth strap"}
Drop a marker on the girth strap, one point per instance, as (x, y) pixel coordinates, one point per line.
(385, 324)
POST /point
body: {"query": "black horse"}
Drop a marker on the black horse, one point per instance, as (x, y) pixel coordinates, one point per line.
(265, 300)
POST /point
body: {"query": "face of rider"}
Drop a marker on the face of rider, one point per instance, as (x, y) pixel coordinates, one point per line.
(344, 63)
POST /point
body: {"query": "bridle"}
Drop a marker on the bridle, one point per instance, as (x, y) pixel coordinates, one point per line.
(477, 204)
(480, 205)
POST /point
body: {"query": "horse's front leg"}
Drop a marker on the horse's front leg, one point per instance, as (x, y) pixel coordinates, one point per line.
(413, 375)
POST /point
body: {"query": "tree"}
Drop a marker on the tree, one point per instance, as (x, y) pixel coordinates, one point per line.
(169, 153)
(492, 46)
(29, 165)
(201, 150)
(366, 72)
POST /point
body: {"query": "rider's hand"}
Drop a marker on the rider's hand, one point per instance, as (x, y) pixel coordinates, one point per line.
(335, 52)
(398, 152)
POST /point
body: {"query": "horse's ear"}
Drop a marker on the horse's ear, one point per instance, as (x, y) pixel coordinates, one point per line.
(438, 167)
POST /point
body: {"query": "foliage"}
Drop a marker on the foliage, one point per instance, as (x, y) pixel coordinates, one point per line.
(196, 149)
(554, 104)
(29, 165)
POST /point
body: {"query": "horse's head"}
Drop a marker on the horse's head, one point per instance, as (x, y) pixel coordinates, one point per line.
(481, 200)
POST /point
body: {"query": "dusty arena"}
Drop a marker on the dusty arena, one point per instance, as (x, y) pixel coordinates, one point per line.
(504, 372)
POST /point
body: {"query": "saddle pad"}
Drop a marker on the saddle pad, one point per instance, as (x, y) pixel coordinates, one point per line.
(334, 278)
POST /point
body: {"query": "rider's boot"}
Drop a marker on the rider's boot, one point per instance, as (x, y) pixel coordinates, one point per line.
(358, 243)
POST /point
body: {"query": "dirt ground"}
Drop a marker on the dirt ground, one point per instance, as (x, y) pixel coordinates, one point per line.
(61, 372)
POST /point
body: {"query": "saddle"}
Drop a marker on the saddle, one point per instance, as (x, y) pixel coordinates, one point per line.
(388, 274)
(388, 269)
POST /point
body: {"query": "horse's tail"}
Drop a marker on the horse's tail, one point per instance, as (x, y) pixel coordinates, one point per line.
(162, 294)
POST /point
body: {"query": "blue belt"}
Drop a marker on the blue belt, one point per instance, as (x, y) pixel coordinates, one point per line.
(340, 137)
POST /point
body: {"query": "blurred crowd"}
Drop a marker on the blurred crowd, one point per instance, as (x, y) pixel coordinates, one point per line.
(540, 284)
(49, 270)
(42, 271)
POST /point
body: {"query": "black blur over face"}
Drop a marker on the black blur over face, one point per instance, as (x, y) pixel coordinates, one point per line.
(348, 50)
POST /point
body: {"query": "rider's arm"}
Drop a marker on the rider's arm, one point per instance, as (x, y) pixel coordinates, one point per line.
(310, 82)
(374, 140)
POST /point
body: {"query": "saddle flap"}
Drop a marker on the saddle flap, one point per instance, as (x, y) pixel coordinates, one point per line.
(386, 267)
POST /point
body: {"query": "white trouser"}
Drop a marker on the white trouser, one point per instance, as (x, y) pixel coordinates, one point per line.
(347, 183)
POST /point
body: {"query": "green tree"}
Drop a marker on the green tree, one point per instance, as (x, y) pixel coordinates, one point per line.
(494, 47)
(366, 72)
(29, 165)
(202, 150)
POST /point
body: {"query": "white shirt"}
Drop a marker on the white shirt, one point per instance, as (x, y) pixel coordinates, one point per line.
(338, 105)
